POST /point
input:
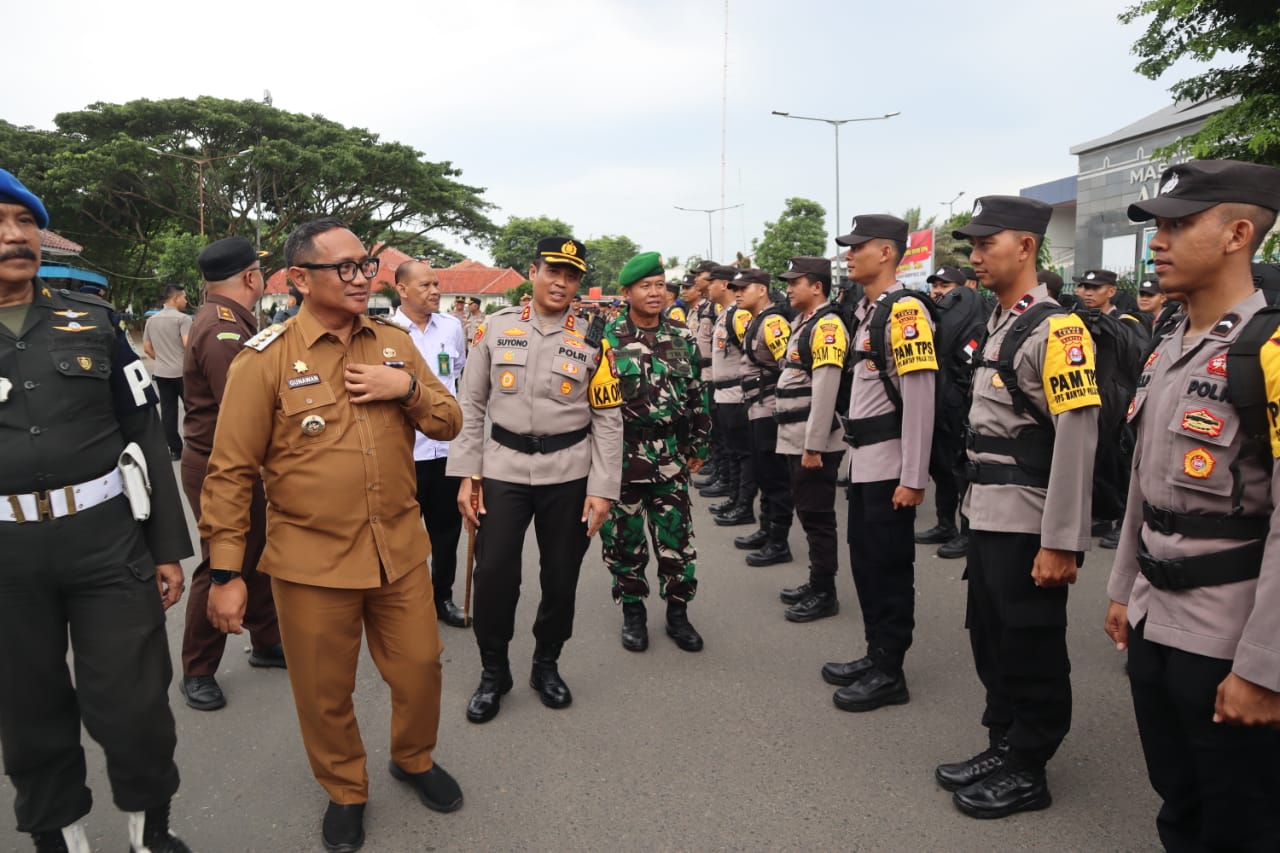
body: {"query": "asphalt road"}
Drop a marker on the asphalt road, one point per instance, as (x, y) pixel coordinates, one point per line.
(736, 748)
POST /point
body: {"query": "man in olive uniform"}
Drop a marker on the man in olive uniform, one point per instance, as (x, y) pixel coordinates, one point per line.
(232, 272)
(890, 432)
(1034, 427)
(666, 420)
(809, 432)
(763, 343)
(77, 563)
(550, 389)
(1195, 587)
(731, 412)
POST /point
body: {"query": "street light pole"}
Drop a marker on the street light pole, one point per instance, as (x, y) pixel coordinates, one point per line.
(835, 124)
(951, 212)
(711, 249)
(200, 162)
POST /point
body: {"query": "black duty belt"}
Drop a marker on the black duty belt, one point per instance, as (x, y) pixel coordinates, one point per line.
(791, 416)
(1031, 451)
(704, 362)
(995, 474)
(721, 384)
(1222, 567)
(1196, 526)
(649, 432)
(862, 432)
(792, 393)
(538, 443)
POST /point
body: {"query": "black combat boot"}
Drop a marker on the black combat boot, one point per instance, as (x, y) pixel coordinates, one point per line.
(938, 534)
(545, 677)
(149, 832)
(775, 549)
(961, 774)
(495, 680)
(955, 549)
(679, 629)
(724, 506)
(635, 630)
(707, 475)
(1015, 787)
(739, 513)
(752, 540)
(844, 674)
(818, 604)
(883, 684)
(795, 594)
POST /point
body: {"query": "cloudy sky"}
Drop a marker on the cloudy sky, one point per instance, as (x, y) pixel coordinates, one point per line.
(607, 113)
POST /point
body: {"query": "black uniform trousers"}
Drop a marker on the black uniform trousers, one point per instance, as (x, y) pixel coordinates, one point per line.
(89, 577)
(556, 513)
(1220, 783)
(438, 497)
(170, 394)
(1018, 633)
(942, 468)
(772, 476)
(813, 491)
(736, 433)
(882, 552)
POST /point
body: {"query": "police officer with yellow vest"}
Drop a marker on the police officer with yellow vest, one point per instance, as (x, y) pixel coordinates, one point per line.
(1195, 587)
(553, 457)
(1033, 430)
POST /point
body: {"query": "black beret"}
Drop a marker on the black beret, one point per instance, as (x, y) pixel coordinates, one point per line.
(1096, 278)
(1198, 185)
(995, 213)
(563, 250)
(222, 259)
(875, 226)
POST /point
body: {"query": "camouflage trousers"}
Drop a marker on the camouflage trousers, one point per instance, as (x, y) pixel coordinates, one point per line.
(665, 508)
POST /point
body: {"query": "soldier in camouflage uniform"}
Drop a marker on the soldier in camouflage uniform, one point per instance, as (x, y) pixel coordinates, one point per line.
(666, 418)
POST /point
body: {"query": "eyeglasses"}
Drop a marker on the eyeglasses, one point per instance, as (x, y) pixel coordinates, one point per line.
(347, 269)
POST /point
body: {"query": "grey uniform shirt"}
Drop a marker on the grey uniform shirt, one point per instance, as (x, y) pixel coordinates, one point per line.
(536, 375)
(165, 332)
(1061, 513)
(1189, 442)
(819, 432)
(702, 334)
(726, 355)
(766, 341)
(904, 459)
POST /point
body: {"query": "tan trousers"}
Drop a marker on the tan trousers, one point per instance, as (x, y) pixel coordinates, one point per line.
(321, 630)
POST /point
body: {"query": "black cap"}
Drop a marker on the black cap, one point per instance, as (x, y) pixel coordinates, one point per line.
(704, 266)
(970, 273)
(224, 258)
(674, 285)
(749, 276)
(952, 275)
(720, 272)
(807, 265)
(875, 226)
(1198, 185)
(689, 280)
(1096, 278)
(1151, 286)
(565, 251)
(473, 301)
(995, 213)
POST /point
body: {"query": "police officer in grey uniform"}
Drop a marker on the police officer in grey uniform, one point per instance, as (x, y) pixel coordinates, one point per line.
(553, 457)
(809, 432)
(714, 483)
(1195, 587)
(1034, 423)
(731, 411)
(890, 432)
(73, 398)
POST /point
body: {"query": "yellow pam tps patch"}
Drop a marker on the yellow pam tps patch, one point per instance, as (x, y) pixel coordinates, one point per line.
(677, 313)
(911, 337)
(740, 320)
(777, 331)
(605, 391)
(1269, 354)
(829, 343)
(1070, 380)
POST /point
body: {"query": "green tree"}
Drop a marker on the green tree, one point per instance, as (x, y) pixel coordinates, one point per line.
(800, 230)
(515, 244)
(175, 263)
(513, 294)
(605, 258)
(421, 247)
(913, 220)
(1247, 31)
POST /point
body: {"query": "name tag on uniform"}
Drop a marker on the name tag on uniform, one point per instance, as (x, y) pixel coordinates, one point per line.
(303, 381)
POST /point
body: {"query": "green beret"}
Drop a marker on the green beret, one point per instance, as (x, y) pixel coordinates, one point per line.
(641, 266)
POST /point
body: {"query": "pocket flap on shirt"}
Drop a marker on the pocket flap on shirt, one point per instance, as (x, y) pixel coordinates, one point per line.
(295, 400)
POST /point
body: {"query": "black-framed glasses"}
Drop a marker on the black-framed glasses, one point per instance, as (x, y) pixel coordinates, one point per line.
(347, 269)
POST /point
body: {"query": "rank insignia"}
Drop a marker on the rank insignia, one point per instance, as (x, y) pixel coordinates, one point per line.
(71, 315)
(388, 352)
(508, 355)
(570, 323)
(507, 379)
(1198, 463)
(313, 425)
(300, 366)
(224, 313)
(1023, 304)
(1133, 407)
(1202, 422)
(566, 387)
(524, 314)
(569, 368)
(1225, 325)
(85, 362)
(1151, 360)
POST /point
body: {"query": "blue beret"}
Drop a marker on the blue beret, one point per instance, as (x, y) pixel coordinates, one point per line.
(13, 192)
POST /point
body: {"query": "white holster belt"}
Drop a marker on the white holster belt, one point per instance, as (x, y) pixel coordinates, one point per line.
(57, 503)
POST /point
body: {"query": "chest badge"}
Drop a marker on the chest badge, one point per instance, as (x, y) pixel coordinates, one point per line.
(388, 352)
(73, 326)
(996, 381)
(85, 362)
(313, 425)
(300, 366)
(1198, 463)
(71, 315)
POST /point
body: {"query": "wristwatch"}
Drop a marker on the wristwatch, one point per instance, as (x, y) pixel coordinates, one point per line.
(413, 387)
(220, 576)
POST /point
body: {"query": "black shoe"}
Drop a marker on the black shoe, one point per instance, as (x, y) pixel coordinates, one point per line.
(718, 489)
(751, 541)
(202, 692)
(1112, 540)
(842, 674)
(149, 832)
(1010, 790)
(635, 628)
(937, 534)
(742, 514)
(708, 475)
(545, 678)
(818, 605)
(450, 614)
(61, 840)
(343, 828)
(771, 554)
(495, 681)
(679, 629)
(795, 594)
(955, 549)
(874, 690)
(962, 774)
(723, 507)
(269, 657)
(436, 788)
(1101, 528)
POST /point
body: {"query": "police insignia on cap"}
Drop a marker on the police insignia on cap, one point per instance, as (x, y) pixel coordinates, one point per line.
(313, 425)
(854, 226)
(1169, 184)
(977, 208)
(569, 249)
(1090, 275)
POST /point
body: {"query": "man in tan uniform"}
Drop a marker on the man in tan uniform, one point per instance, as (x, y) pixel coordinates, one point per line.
(730, 411)
(1033, 430)
(553, 457)
(326, 406)
(1195, 587)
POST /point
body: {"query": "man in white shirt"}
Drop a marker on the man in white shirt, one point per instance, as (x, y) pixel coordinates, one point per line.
(439, 337)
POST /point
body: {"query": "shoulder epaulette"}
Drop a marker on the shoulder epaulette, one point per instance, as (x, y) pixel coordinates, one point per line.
(225, 313)
(88, 298)
(389, 321)
(265, 338)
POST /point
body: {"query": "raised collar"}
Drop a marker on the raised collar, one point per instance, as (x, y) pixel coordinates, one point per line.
(312, 331)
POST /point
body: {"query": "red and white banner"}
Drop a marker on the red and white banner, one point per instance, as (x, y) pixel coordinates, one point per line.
(917, 261)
